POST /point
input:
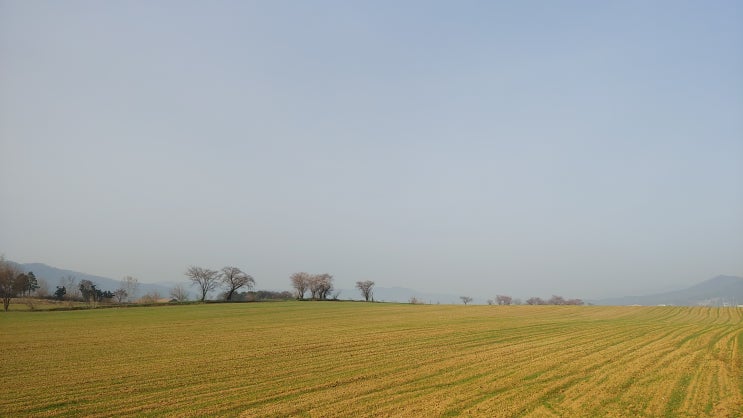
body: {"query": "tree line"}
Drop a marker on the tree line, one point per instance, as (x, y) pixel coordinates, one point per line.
(231, 278)
(554, 300)
(319, 286)
(235, 283)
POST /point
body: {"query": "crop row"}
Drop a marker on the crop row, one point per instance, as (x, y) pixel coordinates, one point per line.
(341, 359)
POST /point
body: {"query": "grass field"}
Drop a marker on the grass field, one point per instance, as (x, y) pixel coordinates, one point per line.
(323, 359)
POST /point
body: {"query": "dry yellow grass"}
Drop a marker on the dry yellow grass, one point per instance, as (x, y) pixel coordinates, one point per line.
(358, 359)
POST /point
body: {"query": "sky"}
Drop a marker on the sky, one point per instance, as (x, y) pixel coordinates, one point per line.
(581, 148)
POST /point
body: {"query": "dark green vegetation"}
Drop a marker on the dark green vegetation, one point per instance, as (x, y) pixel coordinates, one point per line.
(356, 359)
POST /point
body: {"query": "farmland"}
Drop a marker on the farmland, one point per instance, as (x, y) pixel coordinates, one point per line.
(364, 359)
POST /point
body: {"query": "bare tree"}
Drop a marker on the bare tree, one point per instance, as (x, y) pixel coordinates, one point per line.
(206, 279)
(465, 299)
(120, 295)
(234, 279)
(11, 281)
(43, 290)
(503, 299)
(70, 284)
(556, 300)
(150, 298)
(131, 287)
(326, 285)
(367, 289)
(535, 301)
(320, 285)
(179, 293)
(300, 283)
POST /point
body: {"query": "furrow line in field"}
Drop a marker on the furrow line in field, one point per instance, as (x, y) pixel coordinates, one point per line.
(647, 361)
(586, 366)
(417, 383)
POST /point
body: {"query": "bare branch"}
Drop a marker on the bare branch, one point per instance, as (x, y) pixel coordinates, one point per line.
(320, 285)
(179, 293)
(11, 281)
(300, 283)
(206, 279)
(234, 278)
(367, 289)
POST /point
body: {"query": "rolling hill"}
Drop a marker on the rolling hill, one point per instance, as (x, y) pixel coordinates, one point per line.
(52, 275)
(717, 291)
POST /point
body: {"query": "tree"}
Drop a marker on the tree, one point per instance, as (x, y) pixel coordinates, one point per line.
(21, 282)
(43, 289)
(503, 299)
(120, 294)
(28, 283)
(86, 289)
(465, 299)
(256, 295)
(91, 294)
(234, 278)
(367, 289)
(149, 298)
(179, 293)
(535, 301)
(300, 283)
(206, 279)
(11, 281)
(320, 285)
(70, 283)
(131, 287)
(556, 300)
(60, 292)
(105, 295)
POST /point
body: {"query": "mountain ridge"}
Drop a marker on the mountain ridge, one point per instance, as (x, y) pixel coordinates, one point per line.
(721, 290)
(52, 276)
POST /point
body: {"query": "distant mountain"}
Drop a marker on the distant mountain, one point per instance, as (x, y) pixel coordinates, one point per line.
(385, 294)
(52, 275)
(718, 291)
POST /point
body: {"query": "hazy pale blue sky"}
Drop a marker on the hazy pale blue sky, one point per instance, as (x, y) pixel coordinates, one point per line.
(472, 147)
